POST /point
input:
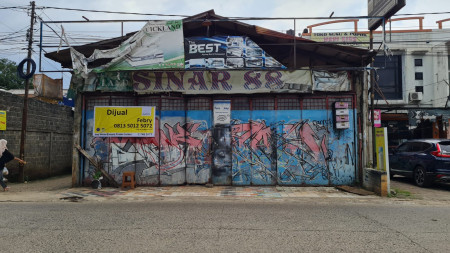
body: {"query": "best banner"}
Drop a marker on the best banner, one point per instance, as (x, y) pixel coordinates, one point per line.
(124, 121)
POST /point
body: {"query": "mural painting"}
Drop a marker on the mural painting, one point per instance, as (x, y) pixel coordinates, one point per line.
(142, 155)
(289, 148)
(241, 150)
(198, 153)
(172, 148)
(263, 146)
(283, 147)
(221, 148)
(342, 154)
(303, 153)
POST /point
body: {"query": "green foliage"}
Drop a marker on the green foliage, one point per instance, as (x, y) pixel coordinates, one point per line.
(8, 76)
(398, 193)
(97, 175)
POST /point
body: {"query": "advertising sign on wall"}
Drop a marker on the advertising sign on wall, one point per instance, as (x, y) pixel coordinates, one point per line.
(381, 148)
(345, 38)
(377, 116)
(2, 120)
(226, 52)
(224, 82)
(124, 121)
(222, 112)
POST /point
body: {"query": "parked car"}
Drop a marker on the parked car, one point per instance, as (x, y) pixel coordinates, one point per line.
(424, 160)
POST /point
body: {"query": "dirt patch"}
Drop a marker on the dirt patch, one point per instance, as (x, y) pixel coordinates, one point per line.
(50, 184)
(355, 190)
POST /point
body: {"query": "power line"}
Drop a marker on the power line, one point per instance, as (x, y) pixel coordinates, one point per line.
(21, 30)
(115, 12)
(228, 18)
(240, 18)
(423, 13)
(13, 7)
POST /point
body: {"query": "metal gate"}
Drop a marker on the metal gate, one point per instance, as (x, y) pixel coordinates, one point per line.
(284, 140)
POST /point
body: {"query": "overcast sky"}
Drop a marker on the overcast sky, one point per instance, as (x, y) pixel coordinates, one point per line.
(14, 22)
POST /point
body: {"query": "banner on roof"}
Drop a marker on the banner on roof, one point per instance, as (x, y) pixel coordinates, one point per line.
(158, 45)
(226, 52)
(121, 121)
(343, 38)
(331, 81)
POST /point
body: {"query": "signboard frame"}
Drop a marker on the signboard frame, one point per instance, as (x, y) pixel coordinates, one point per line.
(382, 8)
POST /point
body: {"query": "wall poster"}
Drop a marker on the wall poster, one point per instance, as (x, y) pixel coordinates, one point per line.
(226, 52)
(2, 120)
(222, 112)
(124, 121)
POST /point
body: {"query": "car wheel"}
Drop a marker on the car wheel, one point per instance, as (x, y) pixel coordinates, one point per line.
(420, 177)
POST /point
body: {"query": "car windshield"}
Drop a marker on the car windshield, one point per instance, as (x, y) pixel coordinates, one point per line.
(445, 146)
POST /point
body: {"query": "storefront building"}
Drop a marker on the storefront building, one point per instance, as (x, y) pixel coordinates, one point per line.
(223, 109)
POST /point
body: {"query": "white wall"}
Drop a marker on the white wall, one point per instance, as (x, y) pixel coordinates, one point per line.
(431, 48)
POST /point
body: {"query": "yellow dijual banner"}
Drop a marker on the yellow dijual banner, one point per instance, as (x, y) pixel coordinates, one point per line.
(124, 121)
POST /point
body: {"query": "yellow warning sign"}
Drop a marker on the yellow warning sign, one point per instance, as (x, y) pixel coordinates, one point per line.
(2, 120)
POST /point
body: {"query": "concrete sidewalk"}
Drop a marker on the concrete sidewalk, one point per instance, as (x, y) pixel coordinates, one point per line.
(223, 192)
(59, 188)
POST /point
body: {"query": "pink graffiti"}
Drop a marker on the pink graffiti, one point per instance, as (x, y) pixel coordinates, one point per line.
(295, 136)
(310, 139)
(244, 131)
(257, 131)
(177, 135)
(261, 132)
(173, 139)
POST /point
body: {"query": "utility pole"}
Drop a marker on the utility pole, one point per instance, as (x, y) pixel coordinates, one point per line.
(25, 99)
(372, 109)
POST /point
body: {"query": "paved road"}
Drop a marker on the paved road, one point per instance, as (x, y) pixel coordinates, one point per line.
(173, 219)
(196, 224)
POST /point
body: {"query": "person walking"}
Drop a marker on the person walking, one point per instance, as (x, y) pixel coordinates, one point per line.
(5, 157)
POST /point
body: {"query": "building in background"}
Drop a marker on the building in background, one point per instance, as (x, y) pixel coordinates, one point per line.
(411, 78)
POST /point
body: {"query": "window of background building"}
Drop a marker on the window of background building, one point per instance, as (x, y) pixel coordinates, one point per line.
(390, 77)
(418, 62)
(419, 76)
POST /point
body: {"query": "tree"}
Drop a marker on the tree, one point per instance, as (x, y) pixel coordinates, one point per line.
(8, 75)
